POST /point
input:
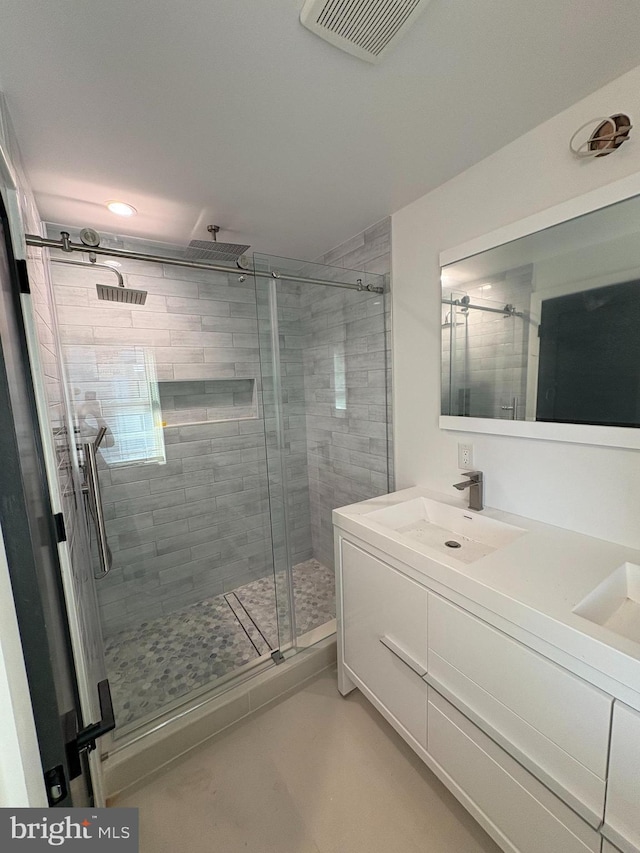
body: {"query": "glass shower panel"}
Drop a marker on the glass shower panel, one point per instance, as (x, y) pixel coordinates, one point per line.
(278, 393)
(484, 348)
(191, 598)
(326, 400)
(483, 360)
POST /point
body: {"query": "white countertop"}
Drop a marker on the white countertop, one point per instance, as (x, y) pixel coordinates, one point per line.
(534, 582)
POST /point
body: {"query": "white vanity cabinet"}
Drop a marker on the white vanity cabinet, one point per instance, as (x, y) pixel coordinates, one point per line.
(554, 723)
(622, 814)
(520, 740)
(521, 814)
(384, 637)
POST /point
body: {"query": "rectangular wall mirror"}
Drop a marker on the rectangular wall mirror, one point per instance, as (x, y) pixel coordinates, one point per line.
(544, 331)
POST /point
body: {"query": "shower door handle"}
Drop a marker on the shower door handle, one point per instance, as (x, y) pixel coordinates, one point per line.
(91, 489)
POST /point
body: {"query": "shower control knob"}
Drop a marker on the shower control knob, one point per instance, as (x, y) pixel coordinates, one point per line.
(90, 237)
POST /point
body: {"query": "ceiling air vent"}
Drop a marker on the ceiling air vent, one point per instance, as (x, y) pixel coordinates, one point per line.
(365, 28)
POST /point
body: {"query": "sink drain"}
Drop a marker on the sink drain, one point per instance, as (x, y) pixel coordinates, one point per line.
(451, 543)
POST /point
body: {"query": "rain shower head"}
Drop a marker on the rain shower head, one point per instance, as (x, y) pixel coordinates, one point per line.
(109, 293)
(211, 250)
(122, 294)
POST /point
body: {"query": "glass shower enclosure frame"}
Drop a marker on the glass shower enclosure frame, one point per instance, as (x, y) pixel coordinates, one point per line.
(210, 428)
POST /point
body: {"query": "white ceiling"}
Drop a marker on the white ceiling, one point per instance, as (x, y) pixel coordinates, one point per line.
(230, 112)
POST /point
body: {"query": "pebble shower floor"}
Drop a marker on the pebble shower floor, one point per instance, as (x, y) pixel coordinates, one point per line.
(164, 659)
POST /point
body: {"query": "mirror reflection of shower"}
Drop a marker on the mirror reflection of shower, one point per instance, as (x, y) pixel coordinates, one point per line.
(484, 345)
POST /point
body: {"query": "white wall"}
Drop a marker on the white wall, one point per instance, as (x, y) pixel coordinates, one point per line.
(591, 489)
(21, 782)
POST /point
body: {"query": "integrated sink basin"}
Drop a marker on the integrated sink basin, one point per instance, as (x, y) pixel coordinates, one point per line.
(615, 603)
(464, 535)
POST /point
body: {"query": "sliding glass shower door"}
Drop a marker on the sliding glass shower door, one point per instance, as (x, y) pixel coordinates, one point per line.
(190, 597)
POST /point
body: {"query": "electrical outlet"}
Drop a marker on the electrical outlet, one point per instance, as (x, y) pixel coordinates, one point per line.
(465, 456)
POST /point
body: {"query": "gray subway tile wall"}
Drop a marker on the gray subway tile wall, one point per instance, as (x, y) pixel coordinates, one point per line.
(286, 440)
(334, 354)
(350, 449)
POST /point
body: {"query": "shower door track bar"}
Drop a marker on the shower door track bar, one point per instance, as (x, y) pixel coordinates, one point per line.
(68, 246)
(508, 310)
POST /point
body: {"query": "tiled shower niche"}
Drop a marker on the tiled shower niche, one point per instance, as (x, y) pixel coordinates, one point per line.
(209, 401)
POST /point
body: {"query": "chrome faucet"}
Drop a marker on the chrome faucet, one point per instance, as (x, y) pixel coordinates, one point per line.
(476, 489)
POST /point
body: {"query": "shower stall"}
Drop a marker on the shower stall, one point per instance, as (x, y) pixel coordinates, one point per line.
(224, 416)
(485, 338)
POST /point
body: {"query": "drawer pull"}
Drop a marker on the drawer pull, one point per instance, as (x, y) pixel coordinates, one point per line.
(587, 814)
(404, 656)
(619, 841)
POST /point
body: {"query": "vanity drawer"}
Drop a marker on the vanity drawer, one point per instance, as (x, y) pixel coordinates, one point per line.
(622, 815)
(499, 791)
(384, 624)
(551, 721)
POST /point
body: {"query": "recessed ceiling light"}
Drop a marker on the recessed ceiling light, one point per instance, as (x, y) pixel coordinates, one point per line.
(485, 287)
(121, 208)
(112, 263)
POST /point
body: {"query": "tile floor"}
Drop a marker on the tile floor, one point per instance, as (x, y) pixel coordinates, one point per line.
(313, 773)
(171, 656)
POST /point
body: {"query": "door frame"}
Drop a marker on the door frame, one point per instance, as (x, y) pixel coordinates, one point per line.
(31, 547)
(21, 778)
(561, 288)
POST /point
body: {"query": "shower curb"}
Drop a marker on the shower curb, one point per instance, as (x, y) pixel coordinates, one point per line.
(133, 766)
